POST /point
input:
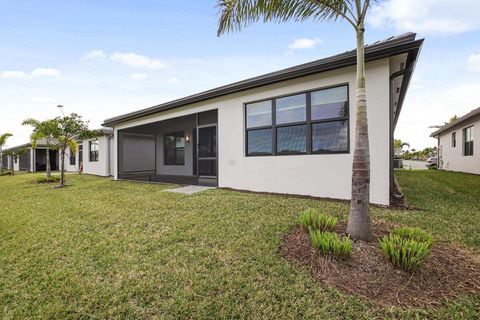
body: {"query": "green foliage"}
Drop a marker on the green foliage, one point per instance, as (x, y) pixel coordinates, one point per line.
(330, 243)
(3, 138)
(5, 173)
(407, 248)
(314, 219)
(238, 14)
(60, 133)
(414, 233)
(48, 180)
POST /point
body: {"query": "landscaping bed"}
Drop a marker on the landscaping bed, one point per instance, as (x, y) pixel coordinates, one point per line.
(448, 272)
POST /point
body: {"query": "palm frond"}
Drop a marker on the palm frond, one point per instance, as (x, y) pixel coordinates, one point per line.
(72, 145)
(4, 137)
(237, 14)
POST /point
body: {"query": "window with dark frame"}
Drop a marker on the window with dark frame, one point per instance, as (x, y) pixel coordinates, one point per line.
(93, 147)
(174, 148)
(468, 141)
(72, 157)
(454, 139)
(313, 122)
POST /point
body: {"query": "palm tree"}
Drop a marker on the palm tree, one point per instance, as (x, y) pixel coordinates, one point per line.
(3, 141)
(398, 145)
(41, 132)
(237, 14)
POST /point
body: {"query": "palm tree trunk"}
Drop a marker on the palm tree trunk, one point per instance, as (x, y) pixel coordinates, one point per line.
(62, 167)
(47, 168)
(359, 220)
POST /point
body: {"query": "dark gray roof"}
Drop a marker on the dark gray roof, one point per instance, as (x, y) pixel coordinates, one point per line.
(390, 47)
(464, 118)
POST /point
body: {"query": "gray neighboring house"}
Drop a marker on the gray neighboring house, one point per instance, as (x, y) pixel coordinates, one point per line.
(290, 131)
(456, 144)
(33, 160)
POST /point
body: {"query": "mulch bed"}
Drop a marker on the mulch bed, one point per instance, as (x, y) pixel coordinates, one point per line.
(447, 273)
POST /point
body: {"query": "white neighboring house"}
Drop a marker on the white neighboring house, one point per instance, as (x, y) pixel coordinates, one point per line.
(456, 144)
(94, 155)
(290, 131)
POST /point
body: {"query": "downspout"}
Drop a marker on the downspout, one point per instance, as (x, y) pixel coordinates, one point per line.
(392, 129)
(108, 156)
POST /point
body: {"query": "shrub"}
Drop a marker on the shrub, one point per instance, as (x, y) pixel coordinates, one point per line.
(5, 173)
(407, 248)
(312, 218)
(48, 180)
(416, 234)
(330, 243)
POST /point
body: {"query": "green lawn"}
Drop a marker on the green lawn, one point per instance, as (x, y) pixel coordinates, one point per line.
(103, 249)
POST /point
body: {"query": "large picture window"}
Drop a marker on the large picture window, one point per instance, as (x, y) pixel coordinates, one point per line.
(468, 141)
(93, 147)
(175, 148)
(312, 122)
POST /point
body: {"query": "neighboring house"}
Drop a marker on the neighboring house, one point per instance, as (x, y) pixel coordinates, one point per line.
(456, 144)
(290, 131)
(33, 160)
(94, 156)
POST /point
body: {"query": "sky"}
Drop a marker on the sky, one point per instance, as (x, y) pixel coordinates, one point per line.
(105, 58)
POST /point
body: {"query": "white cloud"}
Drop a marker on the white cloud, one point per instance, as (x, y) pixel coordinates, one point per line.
(474, 62)
(15, 74)
(46, 72)
(138, 76)
(137, 61)
(427, 16)
(304, 43)
(173, 80)
(42, 100)
(95, 54)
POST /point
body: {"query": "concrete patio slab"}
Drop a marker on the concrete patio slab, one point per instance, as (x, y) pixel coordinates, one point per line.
(190, 189)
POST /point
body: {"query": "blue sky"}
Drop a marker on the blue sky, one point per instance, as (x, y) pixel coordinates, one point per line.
(104, 58)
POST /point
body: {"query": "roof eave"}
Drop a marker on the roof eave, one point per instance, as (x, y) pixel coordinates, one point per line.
(339, 61)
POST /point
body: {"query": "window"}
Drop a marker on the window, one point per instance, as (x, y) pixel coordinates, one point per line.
(454, 139)
(175, 148)
(306, 123)
(15, 159)
(80, 153)
(329, 116)
(93, 150)
(72, 158)
(468, 141)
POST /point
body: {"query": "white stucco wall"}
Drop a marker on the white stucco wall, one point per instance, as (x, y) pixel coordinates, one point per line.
(452, 158)
(325, 175)
(102, 167)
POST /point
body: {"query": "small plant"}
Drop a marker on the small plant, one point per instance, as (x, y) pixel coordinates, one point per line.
(416, 234)
(5, 173)
(313, 219)
(48, 180)
(407, 248)
(330, 243)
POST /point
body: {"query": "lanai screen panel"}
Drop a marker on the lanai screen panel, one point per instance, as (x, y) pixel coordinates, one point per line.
(138, 152)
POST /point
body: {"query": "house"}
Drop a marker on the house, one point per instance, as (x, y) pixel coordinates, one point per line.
(33, 159)
(290, 131)
(97, 159)
(94, 155)
(456, 150)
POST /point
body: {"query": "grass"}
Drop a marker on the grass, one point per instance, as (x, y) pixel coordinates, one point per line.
(103, 249)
